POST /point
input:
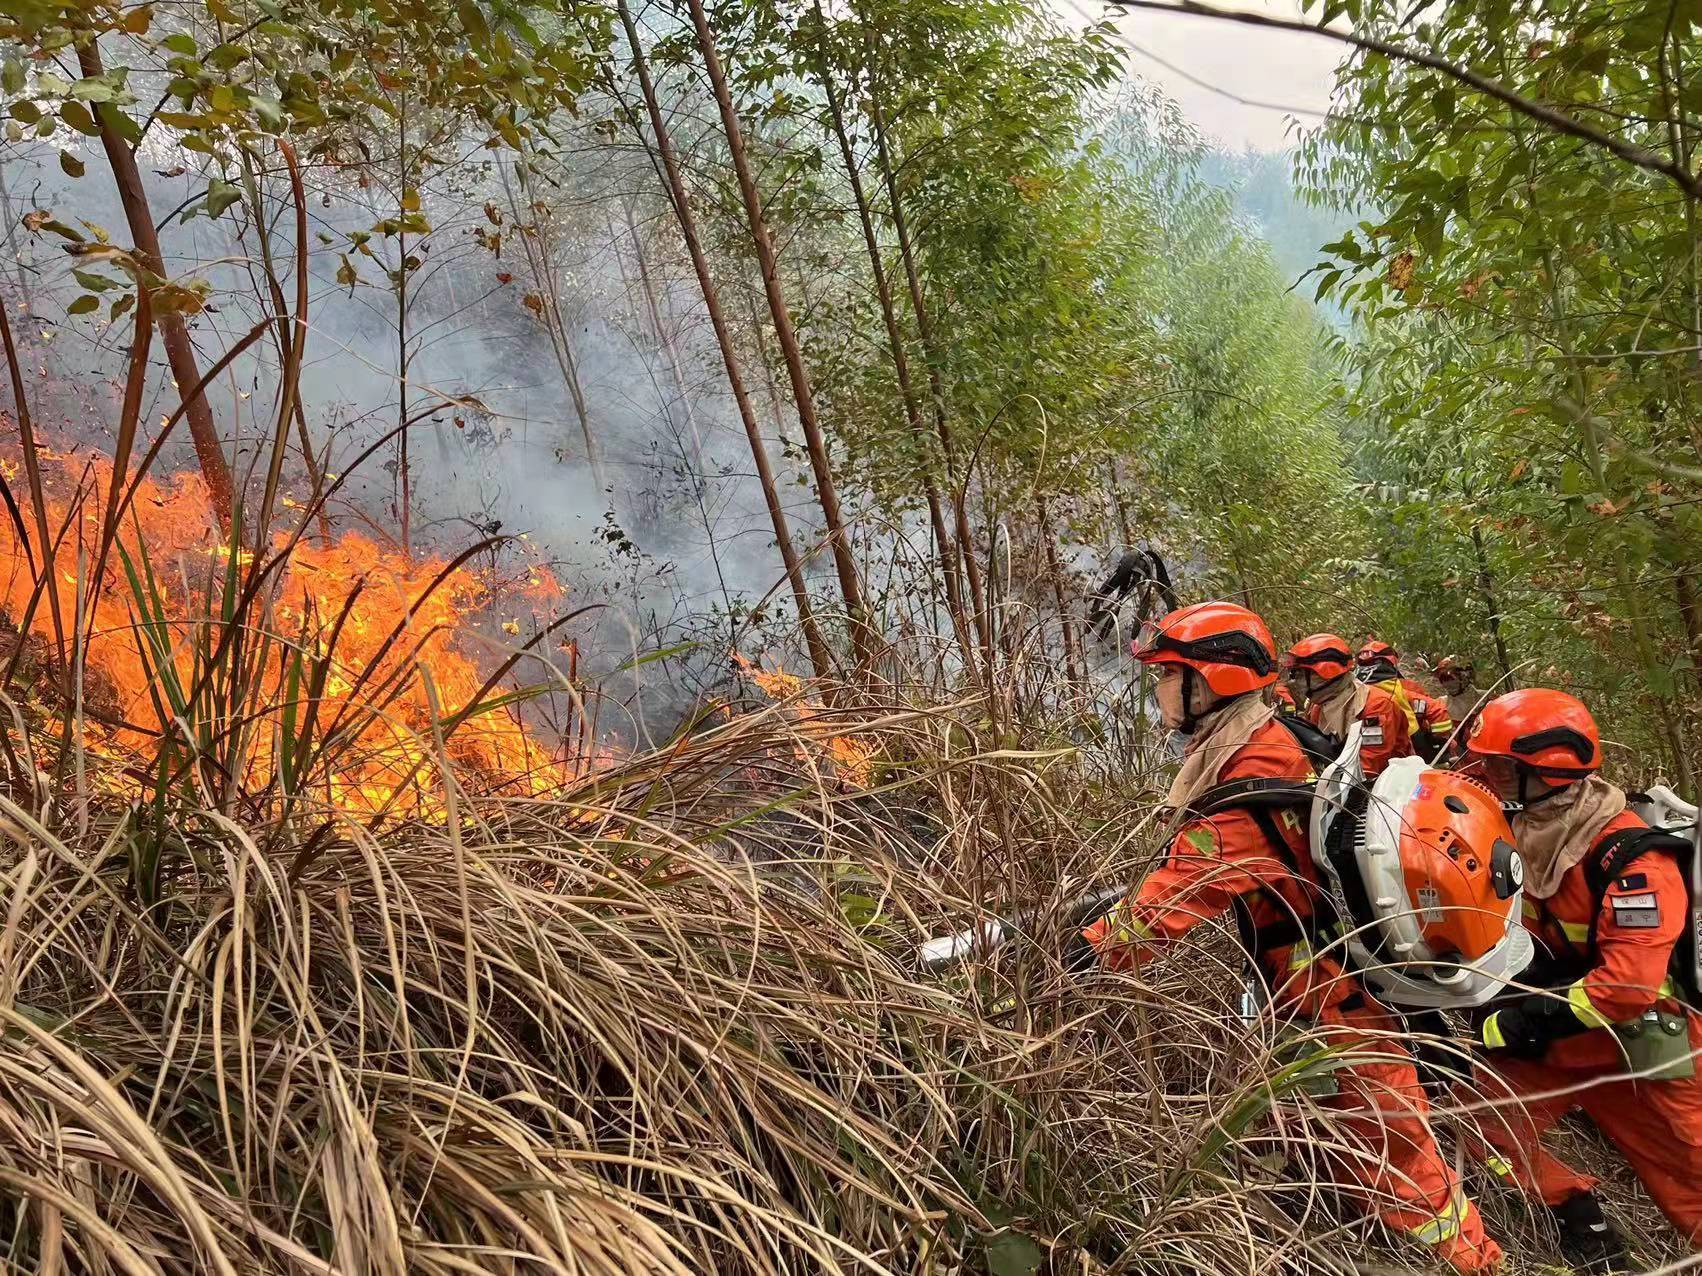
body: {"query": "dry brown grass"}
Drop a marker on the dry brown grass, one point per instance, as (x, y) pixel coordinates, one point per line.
(669, 1021)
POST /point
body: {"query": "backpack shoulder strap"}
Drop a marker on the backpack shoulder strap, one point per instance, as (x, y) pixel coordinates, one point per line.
(1616, 852)
(1613, 855)
(1320, 746)
(1251, 795)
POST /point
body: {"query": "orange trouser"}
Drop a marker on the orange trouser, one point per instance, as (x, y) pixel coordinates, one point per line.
(1656, 1124)
(1384, 1153)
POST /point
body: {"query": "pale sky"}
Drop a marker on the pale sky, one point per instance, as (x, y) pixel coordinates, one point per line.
(1289, 69)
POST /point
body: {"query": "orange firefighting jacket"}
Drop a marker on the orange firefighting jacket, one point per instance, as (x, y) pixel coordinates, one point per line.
(1386, 735)
(1226, 863)
(1424, 711)
(1643, 913)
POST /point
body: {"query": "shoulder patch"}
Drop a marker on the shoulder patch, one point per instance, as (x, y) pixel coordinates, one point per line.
(1633, 882)
(1636, 912)
(1201, 840)
(1373, 733)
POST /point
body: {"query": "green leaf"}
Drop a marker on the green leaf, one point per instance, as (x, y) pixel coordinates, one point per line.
(120, 121)
(473, 22)
(83, 305)
(122, 305)
(1013, 1254)
(93, 89)
(180, 42)
(71, 164)
(92, 281)
(12, 75)
(1442, 102)
(221, 195)
(77, 116)
(270, 113)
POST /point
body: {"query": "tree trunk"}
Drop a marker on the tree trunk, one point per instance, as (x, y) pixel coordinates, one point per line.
(538, 262)
(924, 326)
(1118, 505)
(1486, 588)
(901, 361)
(850, 587)
(1073, 664)
(686, 422)
(1690, 612)
(1623, 569)
(403, 485)
(285, 341)
(820, 661)
(174, 332)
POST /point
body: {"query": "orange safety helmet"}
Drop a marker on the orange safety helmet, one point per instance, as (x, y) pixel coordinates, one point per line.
(1376, 652)
(1229, 646)
(1548, 733)
(1324, 654)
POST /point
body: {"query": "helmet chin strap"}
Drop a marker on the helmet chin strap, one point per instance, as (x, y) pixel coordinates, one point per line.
(1526, 801)
(1190, 719)
(1190, 716)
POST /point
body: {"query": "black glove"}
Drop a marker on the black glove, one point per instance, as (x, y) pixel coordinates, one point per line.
(1587, 1239)
(1527, 1028)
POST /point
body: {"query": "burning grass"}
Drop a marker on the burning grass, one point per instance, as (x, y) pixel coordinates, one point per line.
(327, 648)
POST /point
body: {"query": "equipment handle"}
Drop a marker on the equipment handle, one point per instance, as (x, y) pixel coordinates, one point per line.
(993, 933)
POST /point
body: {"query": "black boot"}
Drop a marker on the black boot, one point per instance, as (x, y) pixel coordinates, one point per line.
(1588, 1240)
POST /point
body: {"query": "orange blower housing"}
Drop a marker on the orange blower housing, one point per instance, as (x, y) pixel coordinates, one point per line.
(1463, 857)
(1427, 883)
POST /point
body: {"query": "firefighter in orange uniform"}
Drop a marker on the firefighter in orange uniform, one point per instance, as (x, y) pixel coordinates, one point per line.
(1215, 659)
(1322, 675)
(1428, 720)
(1607, 903)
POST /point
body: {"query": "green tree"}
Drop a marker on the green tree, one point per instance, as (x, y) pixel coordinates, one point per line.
(1534, 299)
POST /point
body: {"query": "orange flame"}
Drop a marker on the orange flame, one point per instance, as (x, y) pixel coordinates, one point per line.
(852, 759)
(374, 696)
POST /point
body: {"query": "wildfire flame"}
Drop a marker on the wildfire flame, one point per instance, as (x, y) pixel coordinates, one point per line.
(374, 695)
(852, 759)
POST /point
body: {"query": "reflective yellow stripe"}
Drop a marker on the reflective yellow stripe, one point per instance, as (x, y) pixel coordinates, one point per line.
(1528, 907)
(1577, 932)
(1301, 956)
(1399, 694)
(1130, 928)
(1492, 1035)
(1500, 1166)
(1446, 1225)
(1578, 997)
